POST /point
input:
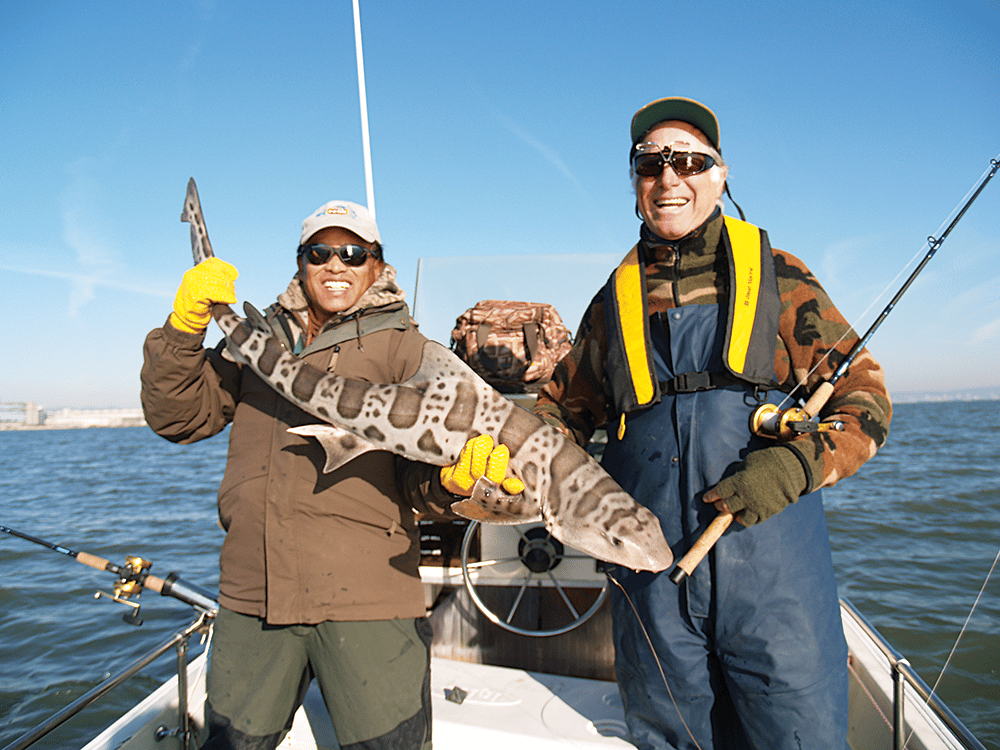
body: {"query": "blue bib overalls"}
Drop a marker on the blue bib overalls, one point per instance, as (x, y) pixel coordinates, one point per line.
(752, 643)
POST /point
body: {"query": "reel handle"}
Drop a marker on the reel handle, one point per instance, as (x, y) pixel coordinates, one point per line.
(172, 585)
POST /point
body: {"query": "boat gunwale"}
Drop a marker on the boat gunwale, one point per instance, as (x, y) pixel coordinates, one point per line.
(899, 664)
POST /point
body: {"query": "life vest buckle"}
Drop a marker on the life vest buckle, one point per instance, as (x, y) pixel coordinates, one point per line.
(693, 382)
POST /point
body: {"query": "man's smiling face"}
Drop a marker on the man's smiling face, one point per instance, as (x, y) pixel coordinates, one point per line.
(334, 287)
(673, 206)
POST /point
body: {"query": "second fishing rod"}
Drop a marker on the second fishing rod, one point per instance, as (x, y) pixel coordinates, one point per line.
(133, 577)
(773, 422)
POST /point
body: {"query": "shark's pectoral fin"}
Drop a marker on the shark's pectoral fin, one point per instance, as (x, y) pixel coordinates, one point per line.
(490, 504)
(475, 512)
(340, 445)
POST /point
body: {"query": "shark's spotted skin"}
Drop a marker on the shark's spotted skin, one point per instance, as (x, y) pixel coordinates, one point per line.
(431, 416)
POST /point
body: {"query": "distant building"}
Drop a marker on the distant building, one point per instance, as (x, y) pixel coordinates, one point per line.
(70, 418)
(27, 416)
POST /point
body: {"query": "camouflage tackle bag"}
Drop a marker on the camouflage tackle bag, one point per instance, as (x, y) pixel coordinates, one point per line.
(514, 346)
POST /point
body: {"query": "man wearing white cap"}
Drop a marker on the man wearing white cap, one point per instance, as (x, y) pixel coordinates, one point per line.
(318, 572)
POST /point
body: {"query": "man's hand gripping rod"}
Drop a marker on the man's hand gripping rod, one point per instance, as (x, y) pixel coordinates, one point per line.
(770, 422)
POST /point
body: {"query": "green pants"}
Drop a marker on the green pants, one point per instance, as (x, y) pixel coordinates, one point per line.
(374, 677)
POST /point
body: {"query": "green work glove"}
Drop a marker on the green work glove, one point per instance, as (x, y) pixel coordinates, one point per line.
(768, 480)
(209, 281)
(479, 458)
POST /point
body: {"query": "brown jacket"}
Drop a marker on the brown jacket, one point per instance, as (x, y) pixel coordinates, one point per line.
(301, 546)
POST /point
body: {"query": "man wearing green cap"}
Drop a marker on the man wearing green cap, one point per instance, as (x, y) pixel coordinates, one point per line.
(702, 322)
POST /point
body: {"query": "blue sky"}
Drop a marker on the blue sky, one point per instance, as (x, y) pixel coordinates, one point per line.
(852, 131)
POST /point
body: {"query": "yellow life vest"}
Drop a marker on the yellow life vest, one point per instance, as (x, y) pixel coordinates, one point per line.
(751, 326)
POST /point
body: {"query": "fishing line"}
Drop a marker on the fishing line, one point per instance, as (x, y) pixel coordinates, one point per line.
(659, 665)
(960, 634)
(928, 249)
(853, 326)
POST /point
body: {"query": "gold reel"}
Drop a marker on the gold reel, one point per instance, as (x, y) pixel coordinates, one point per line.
(769, 421)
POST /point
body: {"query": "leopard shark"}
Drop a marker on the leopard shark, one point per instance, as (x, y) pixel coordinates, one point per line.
(430, 417)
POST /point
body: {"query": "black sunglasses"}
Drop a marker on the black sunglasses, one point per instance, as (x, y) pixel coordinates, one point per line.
(647, 162)
(350, 255)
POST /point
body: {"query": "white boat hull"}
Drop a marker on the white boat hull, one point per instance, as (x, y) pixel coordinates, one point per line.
(505, 708)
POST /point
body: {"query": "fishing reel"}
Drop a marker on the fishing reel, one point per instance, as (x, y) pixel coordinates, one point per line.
(769, 421)
(129, 585)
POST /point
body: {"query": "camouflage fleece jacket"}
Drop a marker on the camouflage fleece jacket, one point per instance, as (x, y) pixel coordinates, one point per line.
(693, 271)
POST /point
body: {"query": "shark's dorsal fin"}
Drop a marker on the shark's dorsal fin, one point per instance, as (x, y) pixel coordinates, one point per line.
(438, 362)
(256, 319)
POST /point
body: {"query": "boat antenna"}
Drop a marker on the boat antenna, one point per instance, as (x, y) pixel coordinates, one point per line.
(366, 145)
(770, 421)
(132, 578)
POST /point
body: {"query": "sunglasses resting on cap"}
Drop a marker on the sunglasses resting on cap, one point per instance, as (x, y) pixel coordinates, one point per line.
(350, 255)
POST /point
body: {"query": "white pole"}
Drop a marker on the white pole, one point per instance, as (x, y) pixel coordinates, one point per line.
(364, 110)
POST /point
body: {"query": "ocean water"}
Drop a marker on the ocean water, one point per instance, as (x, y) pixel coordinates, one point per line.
(914, 536)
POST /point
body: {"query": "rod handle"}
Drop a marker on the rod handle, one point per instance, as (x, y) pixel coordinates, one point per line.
(819, 398)
(92, 560)
(687, 564)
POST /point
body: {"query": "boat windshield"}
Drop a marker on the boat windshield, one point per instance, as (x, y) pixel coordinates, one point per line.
(447, 286)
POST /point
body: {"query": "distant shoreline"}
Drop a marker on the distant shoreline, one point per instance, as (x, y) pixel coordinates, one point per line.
(970, 394)
(911, 397)
(20, 427)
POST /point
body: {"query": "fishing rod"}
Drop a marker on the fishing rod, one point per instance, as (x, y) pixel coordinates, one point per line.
(132, 578)
(770, 421)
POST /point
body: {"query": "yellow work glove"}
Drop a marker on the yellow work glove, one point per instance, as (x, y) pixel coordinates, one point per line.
(479, 458)
(209, 281)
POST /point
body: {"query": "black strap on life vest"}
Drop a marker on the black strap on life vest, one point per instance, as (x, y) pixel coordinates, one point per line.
(693, 382)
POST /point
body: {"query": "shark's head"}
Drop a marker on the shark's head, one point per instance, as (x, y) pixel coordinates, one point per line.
(634, 541)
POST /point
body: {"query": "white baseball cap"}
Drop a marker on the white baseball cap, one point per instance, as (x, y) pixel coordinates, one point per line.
(344, 214)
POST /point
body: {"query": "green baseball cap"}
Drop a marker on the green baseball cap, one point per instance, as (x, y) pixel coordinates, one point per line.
(677, 108)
